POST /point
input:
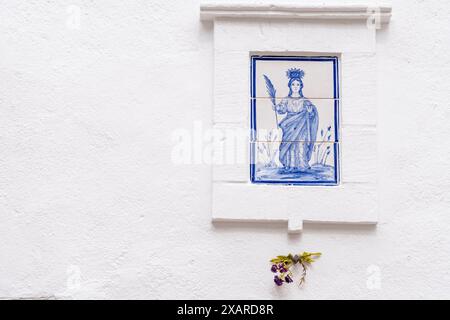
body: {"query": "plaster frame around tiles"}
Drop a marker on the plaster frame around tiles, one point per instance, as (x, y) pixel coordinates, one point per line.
(242, 31)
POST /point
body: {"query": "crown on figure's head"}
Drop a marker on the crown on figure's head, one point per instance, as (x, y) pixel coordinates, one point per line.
(295, 73)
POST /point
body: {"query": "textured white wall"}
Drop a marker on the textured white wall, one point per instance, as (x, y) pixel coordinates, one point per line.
(92, 207)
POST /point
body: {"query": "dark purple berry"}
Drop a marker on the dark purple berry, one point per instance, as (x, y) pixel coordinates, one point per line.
(274, 268)
(278, 281)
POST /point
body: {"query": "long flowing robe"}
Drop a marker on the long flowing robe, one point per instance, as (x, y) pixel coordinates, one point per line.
(299, 132)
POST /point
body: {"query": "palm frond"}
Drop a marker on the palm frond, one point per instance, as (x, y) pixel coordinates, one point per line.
(270, 89)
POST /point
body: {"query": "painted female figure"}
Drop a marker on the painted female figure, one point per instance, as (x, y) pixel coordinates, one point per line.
(299, 125)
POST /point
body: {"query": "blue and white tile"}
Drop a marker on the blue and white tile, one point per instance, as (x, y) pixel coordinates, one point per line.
(319, 77)
(322, 166)
(267, 121)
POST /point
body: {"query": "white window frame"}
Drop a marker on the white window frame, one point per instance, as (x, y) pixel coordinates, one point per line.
(347, 31)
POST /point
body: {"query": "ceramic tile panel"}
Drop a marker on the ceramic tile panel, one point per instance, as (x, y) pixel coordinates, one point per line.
(295, 120)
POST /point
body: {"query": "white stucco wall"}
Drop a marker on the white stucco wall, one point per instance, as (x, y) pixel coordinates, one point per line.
(91, 205)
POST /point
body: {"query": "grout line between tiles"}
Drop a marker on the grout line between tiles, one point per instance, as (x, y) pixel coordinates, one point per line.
(305, 98)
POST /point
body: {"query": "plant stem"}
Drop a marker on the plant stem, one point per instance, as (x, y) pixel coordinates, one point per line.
(303, 277)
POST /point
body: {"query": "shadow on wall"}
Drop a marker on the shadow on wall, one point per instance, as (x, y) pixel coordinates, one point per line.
(276, 226)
